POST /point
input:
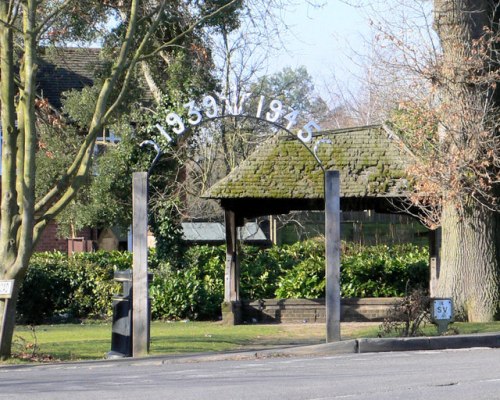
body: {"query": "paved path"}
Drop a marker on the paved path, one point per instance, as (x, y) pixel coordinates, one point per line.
(441, 375)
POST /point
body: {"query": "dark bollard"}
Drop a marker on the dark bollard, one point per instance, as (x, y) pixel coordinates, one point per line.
(121, 332)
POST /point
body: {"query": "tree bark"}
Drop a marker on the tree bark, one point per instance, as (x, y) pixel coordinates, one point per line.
(469, 269)
(469, 263)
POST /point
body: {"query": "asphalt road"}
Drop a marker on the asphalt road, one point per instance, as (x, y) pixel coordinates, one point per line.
(452, 374)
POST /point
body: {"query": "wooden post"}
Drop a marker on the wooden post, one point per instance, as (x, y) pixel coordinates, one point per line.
(140, 317)
(6, 292)
(434, 251)
(231, 307)
(332, 238)
(231, 281)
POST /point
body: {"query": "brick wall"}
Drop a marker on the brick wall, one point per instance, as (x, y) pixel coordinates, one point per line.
(305, 310)
(50, 241)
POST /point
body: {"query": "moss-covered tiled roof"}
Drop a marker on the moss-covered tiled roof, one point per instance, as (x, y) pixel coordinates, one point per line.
(370, 162)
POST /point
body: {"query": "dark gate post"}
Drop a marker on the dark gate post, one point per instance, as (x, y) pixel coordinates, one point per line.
(332, 256)
(434, 253)
(231, 308)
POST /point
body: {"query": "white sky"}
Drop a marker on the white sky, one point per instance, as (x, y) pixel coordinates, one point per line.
(332, 39)
(322, 39)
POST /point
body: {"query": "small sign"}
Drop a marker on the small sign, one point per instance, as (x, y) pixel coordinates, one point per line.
(442, 309)
(6, 288)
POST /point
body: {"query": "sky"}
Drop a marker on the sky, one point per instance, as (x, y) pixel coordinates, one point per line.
(322, 39)
(336, 40)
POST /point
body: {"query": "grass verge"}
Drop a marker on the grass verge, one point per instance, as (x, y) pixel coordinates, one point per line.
(68, 342)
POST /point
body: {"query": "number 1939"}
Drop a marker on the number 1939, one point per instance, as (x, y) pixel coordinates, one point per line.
(211, 109)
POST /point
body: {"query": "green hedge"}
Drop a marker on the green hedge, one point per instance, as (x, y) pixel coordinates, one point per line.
(366, 271)
(194, 291)
(47, 288)
(82, 285)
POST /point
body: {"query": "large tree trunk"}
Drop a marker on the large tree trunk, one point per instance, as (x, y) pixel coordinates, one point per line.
(469, 264)
(469, 269)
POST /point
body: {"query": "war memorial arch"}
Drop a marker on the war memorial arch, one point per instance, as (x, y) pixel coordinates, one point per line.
(281, 175)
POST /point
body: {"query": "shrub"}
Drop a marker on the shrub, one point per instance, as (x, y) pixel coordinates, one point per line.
(93, 284)
(193, 291)
(371, 271)
(82, 285)
(46, 289)
(305, 275)
(383, 271)
(260, 270)
(408, 315)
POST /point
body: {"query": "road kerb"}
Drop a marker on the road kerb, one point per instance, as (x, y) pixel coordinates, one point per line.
(428, 343)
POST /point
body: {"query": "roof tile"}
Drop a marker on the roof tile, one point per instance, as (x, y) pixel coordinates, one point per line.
(371, 164)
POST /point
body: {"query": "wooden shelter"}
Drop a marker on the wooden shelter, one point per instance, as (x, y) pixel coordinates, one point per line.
(282, 175)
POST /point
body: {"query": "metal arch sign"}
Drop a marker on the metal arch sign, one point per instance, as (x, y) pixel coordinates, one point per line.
(209, 108)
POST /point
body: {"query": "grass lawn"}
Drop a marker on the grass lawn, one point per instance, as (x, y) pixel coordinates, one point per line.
(92, 341)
